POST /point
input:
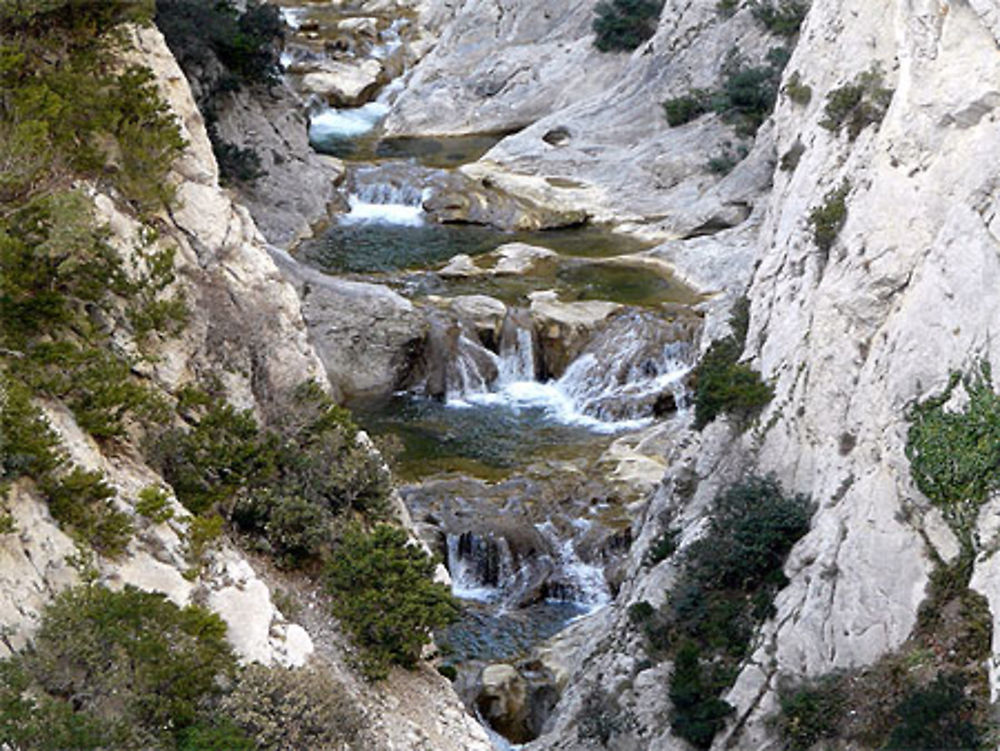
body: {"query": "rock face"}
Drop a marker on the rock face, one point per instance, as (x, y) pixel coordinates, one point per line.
(849, 338)
(246, 327)
(592, 131)
(366, 334)
(298, 186)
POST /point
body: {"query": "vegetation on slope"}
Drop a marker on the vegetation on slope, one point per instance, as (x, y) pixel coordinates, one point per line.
(78, 321)
(933, 692)
(728, 581)
(622, 25)
(222, 50)
(723, 385)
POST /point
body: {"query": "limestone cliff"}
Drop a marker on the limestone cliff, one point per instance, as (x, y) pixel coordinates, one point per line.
(850, 337)
(245, 329)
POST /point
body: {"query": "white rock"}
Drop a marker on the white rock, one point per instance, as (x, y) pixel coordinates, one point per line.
(344, 84)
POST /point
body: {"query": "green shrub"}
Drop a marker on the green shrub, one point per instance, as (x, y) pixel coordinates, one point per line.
(130, 656)
(753, 527)
(69, 106)
(664, 546)
(222, 454)
(954, 454)
(727, 8)
(723, 161)
(220, 51)
(748, 93)
(723, 385)
(781, 17)
(81, 502)
(227, 454)
(215, 734)
(294, 710)
(828, 219)
(59, 270)
(154, 504)
(28, 446)
(797, 91)
(725, 591)
(857, 105)
(236, 164)
(385, 596)
(810, 712)
(44, 723)
(684, 109)
(936, 716)
(745, 99)
(245, 45)
(622, 25)
(298, 530)
(698, 713)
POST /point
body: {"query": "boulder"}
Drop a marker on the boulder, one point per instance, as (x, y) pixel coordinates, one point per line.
(461, 266)
(483, 313)
(501, 700)
(521, 258)
(565, 328)
(344, 84)
(366, 335)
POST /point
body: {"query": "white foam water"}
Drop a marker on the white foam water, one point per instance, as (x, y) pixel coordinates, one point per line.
(465, 584)
(364, 212)
(330, 122)
(590, 589)
(293, 17)
(606, 390)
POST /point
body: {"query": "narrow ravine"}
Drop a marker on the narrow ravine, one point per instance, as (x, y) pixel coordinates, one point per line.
(547, 356)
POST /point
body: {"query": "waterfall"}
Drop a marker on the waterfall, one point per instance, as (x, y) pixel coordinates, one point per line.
(517, 349)
(480, 566)
(377, 201)
(470, 373)
(582, 583)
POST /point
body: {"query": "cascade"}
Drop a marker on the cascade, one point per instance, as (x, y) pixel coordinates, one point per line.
(614, 384)
(517, 349)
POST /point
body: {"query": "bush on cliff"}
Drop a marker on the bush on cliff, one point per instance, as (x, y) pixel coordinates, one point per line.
(282, 484)
(622, 25)
(727, 583)
(723, 385)
(384, 594)
(124, 669)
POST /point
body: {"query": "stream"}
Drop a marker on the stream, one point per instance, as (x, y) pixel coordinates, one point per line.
(545, 351)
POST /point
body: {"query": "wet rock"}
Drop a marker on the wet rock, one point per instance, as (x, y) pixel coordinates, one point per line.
(521, 258)
(461, 266)
(565, 328)
(465, 199)
(361, 27)
(485, 314)
(511, 259)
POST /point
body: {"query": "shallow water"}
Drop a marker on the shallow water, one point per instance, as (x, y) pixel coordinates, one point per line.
(484, 440)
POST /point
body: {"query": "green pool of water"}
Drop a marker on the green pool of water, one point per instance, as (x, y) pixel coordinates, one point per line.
(361, 248)
(572, 281)
(488, 442)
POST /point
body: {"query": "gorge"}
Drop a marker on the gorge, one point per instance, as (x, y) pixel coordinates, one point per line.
(683, 347)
